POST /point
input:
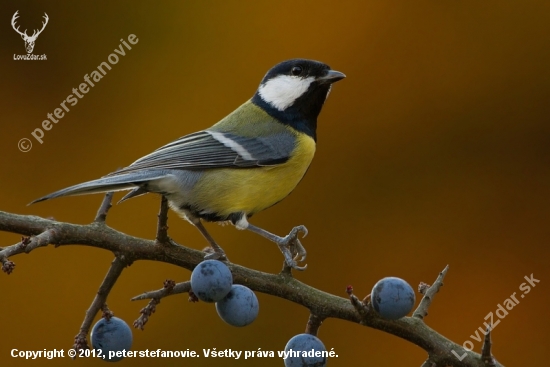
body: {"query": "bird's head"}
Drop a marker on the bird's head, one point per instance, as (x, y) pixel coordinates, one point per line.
(296, 89)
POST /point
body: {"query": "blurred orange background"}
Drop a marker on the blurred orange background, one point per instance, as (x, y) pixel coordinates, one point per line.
(434, 150)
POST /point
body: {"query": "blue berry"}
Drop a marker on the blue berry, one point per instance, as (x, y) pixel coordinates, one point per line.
(392, 298)
(211, 280)
(111, 336)
(304, 343)
(240, 307)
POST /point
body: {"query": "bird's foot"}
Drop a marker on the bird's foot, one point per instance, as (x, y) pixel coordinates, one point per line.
(215, 253)
(292, 248)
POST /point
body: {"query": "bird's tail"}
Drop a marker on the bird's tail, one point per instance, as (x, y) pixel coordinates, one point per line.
(105, 184)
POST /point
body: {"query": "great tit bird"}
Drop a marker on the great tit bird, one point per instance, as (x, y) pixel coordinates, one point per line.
(250, 160)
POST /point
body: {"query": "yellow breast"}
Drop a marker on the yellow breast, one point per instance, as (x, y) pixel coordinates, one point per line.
(228, 190)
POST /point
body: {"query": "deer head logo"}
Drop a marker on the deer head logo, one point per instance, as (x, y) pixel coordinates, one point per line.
(29, 40)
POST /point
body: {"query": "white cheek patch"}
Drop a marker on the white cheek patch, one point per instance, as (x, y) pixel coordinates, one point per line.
(282, 91)
(329, 89)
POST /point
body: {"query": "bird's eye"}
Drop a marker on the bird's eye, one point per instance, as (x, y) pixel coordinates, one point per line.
(296, 70)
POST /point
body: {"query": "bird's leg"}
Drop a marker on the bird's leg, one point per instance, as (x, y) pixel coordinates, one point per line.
(218, 253)
(290, 245)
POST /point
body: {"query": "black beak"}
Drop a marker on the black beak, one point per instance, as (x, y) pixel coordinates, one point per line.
(332, 76)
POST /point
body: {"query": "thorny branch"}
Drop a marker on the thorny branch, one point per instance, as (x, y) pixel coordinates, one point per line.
(429, 294)
(39, 232)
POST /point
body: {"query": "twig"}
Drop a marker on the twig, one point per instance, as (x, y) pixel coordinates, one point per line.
(146, 312)
(104, 208)
(359, 306)
(43, 239)
(106, 313)
(27, 244)
(7, 265)
(313, 324)
(182, 287)
(486, 355)
(429, 294)
(151, 307)
(162, 224)
(99, 301)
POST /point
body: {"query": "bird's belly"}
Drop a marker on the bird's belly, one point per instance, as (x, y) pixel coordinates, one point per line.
(228, 190)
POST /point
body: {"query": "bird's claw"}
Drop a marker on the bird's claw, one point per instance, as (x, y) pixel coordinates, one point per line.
(213, 254)
(292, 248)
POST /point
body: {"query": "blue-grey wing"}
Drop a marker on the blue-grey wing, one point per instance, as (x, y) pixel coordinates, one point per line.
(213, 149)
